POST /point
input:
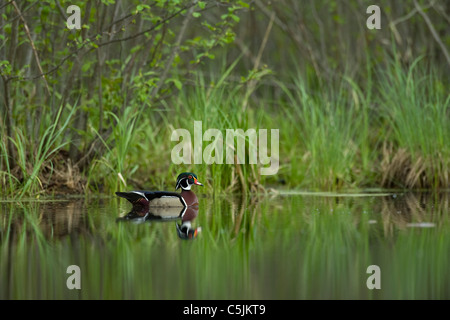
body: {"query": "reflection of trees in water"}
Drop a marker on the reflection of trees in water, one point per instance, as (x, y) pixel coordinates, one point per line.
(238, 216)
(413, 209)
(52, 220)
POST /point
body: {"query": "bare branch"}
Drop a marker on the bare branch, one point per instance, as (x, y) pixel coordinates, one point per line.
(433, 31)
(27, 31)
(61, 10)
(252, 83)
(9, 2)
(149, 29)
(174, 52)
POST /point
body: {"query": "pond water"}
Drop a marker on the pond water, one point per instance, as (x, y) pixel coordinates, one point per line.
(288, 245)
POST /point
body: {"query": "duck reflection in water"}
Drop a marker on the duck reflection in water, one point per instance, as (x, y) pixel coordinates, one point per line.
(183, 218)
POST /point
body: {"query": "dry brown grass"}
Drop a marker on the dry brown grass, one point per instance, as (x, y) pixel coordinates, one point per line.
(60, 175)
(398, 168)
(411, 208)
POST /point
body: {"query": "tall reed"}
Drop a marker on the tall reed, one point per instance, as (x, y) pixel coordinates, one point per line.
(415, 108)
(327, 129)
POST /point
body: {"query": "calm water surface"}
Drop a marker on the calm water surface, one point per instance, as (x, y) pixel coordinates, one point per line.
(285, 246)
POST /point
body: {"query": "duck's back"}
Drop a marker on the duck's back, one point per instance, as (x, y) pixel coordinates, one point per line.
(153, 198)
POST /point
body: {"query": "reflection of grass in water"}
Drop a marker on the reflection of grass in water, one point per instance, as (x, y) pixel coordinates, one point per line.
(281, 248)
(420, 264)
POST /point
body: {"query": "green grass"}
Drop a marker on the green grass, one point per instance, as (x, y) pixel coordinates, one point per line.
(30, 158)
(331, 131)
(415, 106)
(387, 131)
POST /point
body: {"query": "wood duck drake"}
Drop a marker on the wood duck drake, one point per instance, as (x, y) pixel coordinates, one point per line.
(166, 206)
(165, 199)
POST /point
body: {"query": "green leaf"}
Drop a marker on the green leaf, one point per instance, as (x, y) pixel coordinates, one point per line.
(202, 4)
(243, 4)
(176, 82)
(141, 7)
(196, 14)
(5, 67)
(235, 17)
(86, 66)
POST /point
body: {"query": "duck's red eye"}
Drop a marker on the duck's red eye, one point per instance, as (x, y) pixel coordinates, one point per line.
(190, 177)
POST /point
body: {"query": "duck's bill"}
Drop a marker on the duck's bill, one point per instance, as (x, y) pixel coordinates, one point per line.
(197, 182)
(197, 231)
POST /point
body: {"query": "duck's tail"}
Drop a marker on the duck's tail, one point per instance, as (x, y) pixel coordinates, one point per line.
(133, 196)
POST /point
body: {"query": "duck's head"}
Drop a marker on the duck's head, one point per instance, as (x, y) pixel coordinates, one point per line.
(186, 232)
(185, 180)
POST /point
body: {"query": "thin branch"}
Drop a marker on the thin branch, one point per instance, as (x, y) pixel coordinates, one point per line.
(441, 12)
(8, 121)
(174, 52)
(121, 19)
(245, 50)
(9, 2)
(268, 13)
(433, 31)
(104, 43)
(18, 16)
(61, 10)
(252, 83)
(149, 29)
(264, 42)
(408, 16)
(27, 31)
(293, 34)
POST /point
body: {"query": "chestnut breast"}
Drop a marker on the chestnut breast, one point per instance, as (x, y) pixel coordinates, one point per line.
(190, 213)
(190, 198)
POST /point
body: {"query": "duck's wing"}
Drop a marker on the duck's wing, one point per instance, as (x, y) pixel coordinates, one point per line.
(154, 198)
